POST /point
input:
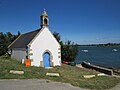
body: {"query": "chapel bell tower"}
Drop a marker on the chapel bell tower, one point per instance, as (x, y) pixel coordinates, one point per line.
(44, 19)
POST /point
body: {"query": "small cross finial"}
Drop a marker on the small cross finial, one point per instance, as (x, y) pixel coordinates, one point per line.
(44, 12)
(44, 9)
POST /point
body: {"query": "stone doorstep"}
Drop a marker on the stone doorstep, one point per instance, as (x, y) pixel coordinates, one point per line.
(48, 67)
(53, 74)
(16, 72)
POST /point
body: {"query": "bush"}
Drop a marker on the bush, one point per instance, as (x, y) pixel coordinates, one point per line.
(69, 50)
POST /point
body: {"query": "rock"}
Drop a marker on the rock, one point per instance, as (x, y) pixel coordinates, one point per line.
(88, 76)
(101, 74)
(53, 74)
(16, 72)
(79, 65)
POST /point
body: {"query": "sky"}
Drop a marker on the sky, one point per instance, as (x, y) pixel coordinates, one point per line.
(81, 21)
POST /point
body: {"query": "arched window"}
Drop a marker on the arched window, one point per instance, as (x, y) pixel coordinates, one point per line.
(45, 21)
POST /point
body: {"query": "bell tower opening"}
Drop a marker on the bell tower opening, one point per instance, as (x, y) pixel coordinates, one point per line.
(44, 19)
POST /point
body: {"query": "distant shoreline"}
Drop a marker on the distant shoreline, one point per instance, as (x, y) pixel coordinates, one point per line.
(107, 44)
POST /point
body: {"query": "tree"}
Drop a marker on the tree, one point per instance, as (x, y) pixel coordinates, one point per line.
(2, 44)
(58, 37)
(5, 40)
(19, 33)
(69, 50)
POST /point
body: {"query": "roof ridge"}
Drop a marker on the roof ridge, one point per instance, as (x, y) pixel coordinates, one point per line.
(24, 39)
(31, 31)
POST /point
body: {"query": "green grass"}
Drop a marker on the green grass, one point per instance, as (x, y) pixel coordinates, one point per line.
(68, 74)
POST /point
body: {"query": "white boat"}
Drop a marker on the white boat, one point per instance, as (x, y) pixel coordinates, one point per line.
(114, 50)
(85, 50)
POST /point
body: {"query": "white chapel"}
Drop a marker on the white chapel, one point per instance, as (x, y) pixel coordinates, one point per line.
(40, 46)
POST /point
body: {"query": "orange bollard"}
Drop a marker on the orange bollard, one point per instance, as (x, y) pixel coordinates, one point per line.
(28, 63)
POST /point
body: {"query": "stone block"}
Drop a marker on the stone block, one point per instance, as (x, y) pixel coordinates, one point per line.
(16, 72)
(88, 76)
(101, 74)
(53, 74)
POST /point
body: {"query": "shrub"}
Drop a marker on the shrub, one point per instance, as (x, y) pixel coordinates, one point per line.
(69, 50)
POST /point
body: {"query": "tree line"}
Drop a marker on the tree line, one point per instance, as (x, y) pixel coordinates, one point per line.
(69, 50)
(107, 44)
(5, 40)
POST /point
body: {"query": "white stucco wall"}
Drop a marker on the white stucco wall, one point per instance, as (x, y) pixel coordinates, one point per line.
(42, 42)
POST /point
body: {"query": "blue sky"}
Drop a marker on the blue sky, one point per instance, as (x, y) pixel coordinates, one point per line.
(81, 21)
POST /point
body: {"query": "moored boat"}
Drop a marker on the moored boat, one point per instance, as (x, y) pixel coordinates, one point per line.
(85, 50)
(114, 50)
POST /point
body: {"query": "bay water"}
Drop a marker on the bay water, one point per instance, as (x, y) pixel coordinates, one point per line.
(106, 56)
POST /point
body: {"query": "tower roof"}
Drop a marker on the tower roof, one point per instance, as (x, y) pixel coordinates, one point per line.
(44, 13)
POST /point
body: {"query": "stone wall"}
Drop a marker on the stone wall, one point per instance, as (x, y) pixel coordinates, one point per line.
(97, 68)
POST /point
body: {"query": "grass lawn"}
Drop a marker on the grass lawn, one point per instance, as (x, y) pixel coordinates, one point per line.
(68, 74)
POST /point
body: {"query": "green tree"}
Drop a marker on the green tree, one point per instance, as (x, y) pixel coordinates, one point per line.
(69, 50)
(18, 33)
(58, 37)
(5, 40)
(2, 44)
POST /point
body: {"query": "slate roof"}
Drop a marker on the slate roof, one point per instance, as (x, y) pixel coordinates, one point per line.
(24, 40)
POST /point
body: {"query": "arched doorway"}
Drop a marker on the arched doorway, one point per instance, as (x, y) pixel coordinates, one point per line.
(46, 58)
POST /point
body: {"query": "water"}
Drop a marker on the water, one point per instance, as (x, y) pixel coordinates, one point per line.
(103, 56)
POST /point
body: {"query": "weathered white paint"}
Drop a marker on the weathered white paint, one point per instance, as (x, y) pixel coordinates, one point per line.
(43, 41)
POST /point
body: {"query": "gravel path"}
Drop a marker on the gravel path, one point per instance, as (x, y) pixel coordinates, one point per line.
(35, 84)
(39, 84)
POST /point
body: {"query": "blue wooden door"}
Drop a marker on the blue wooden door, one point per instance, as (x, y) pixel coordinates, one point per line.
(46, 60)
